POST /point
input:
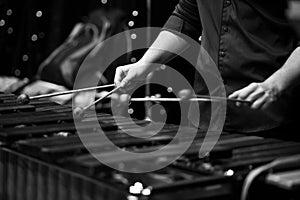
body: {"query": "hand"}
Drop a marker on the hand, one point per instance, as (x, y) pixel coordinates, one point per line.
(83, 99)
(119, 104)
(40, 87)
(128, 75)
(260, 94)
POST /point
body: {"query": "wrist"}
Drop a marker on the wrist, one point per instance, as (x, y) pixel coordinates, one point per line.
(275, 86)
(146, 65)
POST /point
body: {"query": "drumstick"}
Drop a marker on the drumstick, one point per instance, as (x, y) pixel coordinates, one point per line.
(78, 111)
(24, 98)
(200, 98)
(186, 94)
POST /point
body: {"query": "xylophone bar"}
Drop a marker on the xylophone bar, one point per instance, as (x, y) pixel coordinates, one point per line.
(26, 178)
(55, 167)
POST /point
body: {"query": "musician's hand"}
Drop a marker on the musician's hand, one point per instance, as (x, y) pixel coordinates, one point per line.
(119, 103)
(40, 87)
(260, 94)
(128, 75)
(83, 99)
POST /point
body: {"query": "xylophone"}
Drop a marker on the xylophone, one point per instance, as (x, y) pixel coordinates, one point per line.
(43, 158)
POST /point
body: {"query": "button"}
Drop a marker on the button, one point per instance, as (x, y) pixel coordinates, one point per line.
(227, 3)
(225, 29)
(222, 53)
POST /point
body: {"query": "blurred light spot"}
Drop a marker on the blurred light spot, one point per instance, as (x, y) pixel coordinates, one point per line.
(9, 12)
(134, 190)
(63, 134)
(229, 172)
(158, 95)
(170, 89)
(39, 13)
(135, 13)
(104, 1)
(2, 22)
(10, 30)
(146, 192)
(131, 23)
(138, 185)
(41, 35)
(25, 58)
(130, 111)
(34, 37)
(133, 59)
(133, 36)
(17, 72)
(163, 67)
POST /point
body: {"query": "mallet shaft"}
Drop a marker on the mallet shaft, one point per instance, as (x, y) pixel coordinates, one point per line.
(202, 99)
(102, 98)
(71, 91)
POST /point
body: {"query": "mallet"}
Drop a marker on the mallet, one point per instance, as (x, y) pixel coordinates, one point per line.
(25, 99)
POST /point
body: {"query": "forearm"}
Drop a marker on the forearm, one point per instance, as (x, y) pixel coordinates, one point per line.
(165, 47)
(157, 54)
(186, 22)
(288, 76)
(266, 93)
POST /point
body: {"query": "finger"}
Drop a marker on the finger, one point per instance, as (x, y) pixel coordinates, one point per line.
(124, 82)
(245, 92)
(259, 103)
(258, 93)
(118, 76)
(234, 95)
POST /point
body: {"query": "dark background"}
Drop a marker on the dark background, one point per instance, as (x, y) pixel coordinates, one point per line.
(20, 55)
(26, 39)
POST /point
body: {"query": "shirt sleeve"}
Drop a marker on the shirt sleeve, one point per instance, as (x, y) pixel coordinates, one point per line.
(185, 19)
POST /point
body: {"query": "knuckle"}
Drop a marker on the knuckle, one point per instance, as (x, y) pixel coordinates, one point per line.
(118, 69)
(255, 85)
(270, 97)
